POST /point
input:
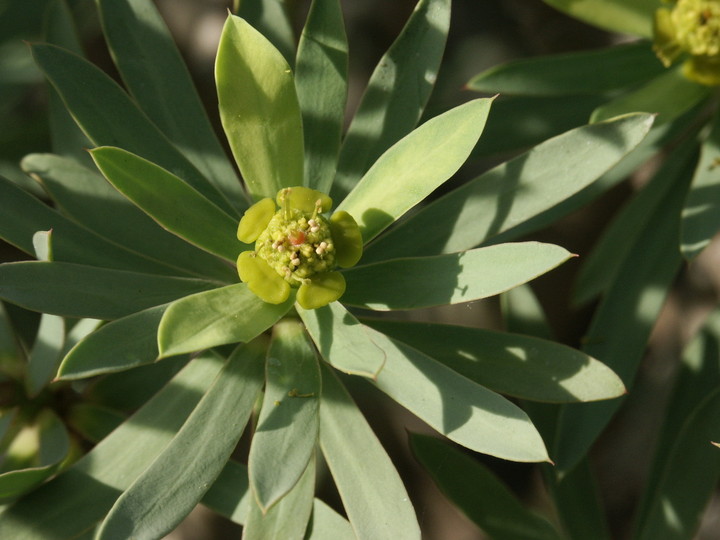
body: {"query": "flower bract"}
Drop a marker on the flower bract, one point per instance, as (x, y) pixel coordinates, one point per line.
(297, 247)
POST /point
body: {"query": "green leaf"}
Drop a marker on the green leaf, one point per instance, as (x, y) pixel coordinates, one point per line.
(217, 317)
(121, 344)
(169, 489)
(624, 16)
(521, 366)
(66, 137)
(270, 18)
(327, 524)
(417, 164)
(156, 76)
(109, 117)
(478, 493)
(449, 279)
(230, 494)
(690, 476)
(86, 197)
(397, 93)
(75, 290)
(623, 321)
(374, 497)
(39, 449)
(668, 95)
(457, 407)
(700, 216)
(259, 109)
(342, 341)
(74, 501)
(45, 354)
(321, 80)
(513, 192)
(23, 215)
(287, 428)
(176, 206)
(619, 239)
(571, 74)
(93, 422)
(287, 519)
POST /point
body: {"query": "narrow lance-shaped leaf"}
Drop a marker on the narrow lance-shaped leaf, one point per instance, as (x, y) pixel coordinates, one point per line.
(321, 80)
(396, 94)
(259, 109)
(86, 197)
(169, 489)
(45, 354)
(287, 428)
(121, 344)
(513, 364)
(478, 493)
(624, 16)
(270, 18)
(373, 495)
(573, 73)
(109, 117)
(75, 290)
(171, 202)
(701, 214)
(415, 166)
(342, 340)
(155, 74)
(74, 501)
(449, 279)
(513, 192)
(218, 317)
(288, 518)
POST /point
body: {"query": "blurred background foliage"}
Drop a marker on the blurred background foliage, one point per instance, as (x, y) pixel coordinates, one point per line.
(483, 33)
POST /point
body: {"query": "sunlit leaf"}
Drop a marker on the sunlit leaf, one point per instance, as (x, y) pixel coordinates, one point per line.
(625, 16)
(417, 164)
(396, 94)
(261, 116)
(217, 317)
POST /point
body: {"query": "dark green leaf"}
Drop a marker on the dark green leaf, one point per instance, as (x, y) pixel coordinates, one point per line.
(624, 16)
(396, 94)
(321, 81)
(94, 422)
(271, 19)
(45, 354)
(478, 493)
(156, 76)
(75, 290)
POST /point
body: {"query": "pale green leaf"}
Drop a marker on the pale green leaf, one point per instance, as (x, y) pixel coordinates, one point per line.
(414, 167)
(86, 197)
(287, 427)
(513, 192)
(77, 499)
(321, 80)
(175, 205)
(521, 366)
(217, 317)
(288, 518)
(75, 290)
(397, 93)
(480, 495)
(121, 344)
(570, 74)
(109, 117)
(372, 492)
(625, 16)
(270, 18)
(156, 76)
(668, 95)
(169, 489)
(344, 343)
(45, 354)
(451, 278)
(259, 109)
(327, 524)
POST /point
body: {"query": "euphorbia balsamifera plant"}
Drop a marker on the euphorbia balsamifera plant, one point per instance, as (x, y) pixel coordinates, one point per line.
(153, 250)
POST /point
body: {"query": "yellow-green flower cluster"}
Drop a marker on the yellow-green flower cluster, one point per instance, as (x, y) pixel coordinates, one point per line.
(690, 27)
(296, 246)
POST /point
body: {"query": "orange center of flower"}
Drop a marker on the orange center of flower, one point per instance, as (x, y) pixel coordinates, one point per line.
(297, 238)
